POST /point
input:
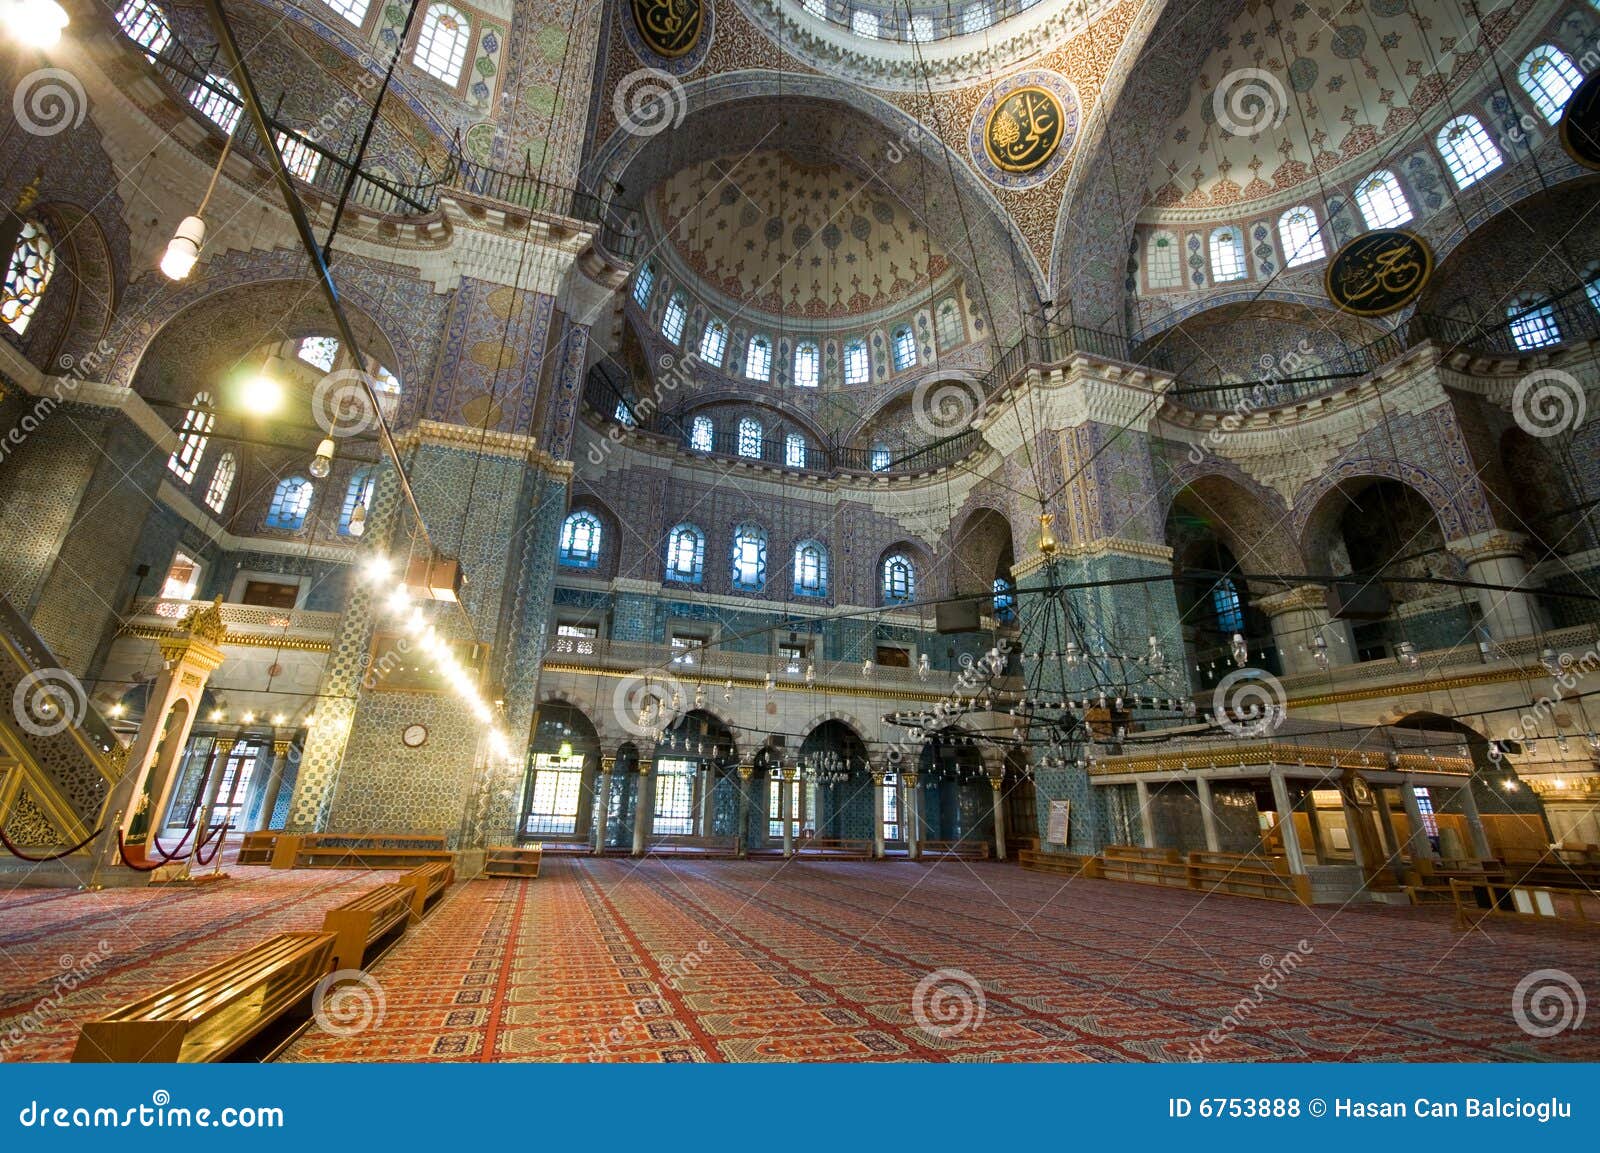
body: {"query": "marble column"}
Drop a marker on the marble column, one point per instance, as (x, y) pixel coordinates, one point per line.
(997, 787)
(1480, 839)
(1497, 558)
(911, 807)
(708, 789)
(1298, 617)
(1141, 792)
(602, 802)
(746, 774)
(644, 809)
(1286, 829)
(1208, 815)
(274, 785)
(1421, 848)
(786, 811)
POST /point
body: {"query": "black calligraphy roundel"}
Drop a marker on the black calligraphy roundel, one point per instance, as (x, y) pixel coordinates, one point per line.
(1025, 129)
(669, 28)
(1379, 272)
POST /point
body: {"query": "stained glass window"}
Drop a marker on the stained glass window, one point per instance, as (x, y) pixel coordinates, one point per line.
(580, 540)
(193, 434)
(290, 504)
(686, 554)
(899, 579)
(442, 45)
(1467, 150)
(33, 263)
(749, 558)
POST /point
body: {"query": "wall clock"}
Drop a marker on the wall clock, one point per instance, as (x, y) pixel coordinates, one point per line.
(415, 736)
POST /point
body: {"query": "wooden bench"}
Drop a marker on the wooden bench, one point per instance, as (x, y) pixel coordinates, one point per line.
(368, 926)
(1430, 879)
(1557, 868)
(256, 848)
(370, 850)
(1247, 875)
(834, 848)
(246, 1008)
(1475, 901)
(1064, 864)
(428, 884)
(959, 850)
(513, 861)
(1146, 866)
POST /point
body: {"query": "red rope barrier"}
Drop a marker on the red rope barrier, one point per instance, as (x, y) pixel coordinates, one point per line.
(122, 851)
(173, 856)
(221, 831)
(19, 854)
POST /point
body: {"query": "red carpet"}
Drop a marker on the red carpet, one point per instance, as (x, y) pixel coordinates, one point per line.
(762, 961)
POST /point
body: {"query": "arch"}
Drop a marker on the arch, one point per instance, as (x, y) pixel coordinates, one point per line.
(441, 46)
(904, 390)
(976, 551)
(732, 112)
(1322, 506)
(848, 720)
(1249, 518)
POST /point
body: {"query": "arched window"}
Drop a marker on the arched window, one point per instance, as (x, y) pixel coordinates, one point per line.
(1161, 261)
(643, 283)
(357, 495)
(290, 504)
(952, 331)
(977, 16)
(701, 434)
(921, 28)
(807, 365)
(758, 358)
(749, 559)
(794, 450)
(1225, 604)
(319, 351)
(1533, 324)
(686, 554)
(864, 23)
(219, 102)
(904, 347)
(1467, 150)
(1549, 77)
(192, 436)
(33, 263)
(714, 343)
(299, 158)
(810, 569)
(672, 319)
(354, 11)
(899, 579)
(855, 361)
(145, 24)
(442, 45)
(1300, 236)
(1005, 600)
(1382, 203)
(222, 482)
(879, 461)
(1227, 255)
(580, 540)
(750, 438)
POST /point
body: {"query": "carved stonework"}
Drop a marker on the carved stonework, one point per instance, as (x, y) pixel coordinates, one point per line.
(207, 623)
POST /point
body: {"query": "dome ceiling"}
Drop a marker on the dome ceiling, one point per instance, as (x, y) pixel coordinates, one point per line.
(797, 238)
(1294, 91)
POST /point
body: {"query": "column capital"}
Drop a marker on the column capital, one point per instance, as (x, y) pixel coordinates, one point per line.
(910, 777)
(645, 766)
(1488, 545)
(1301, 598)
(877, 777)
(281, 748)
(997, 781)
(607, 763)
(746, 772)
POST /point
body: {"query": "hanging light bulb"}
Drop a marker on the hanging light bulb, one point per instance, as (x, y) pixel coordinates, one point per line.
(1156, 657)
(1406, 654)
(727, 691)
(1319, 651)
(183, 250)
(1550, 661)
(358, 520)
(35, 23)
(1561, 743)
(866, 670)
(923, 668)
(322, 464)
(811, 673)
(1241, 652)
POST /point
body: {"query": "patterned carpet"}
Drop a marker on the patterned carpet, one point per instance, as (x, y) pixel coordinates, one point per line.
(839, 961)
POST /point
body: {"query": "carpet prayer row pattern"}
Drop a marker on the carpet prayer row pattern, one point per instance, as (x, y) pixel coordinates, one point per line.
(614, 960)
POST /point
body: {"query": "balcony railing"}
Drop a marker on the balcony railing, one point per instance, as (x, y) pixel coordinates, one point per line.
(318, 166)
(241, 621)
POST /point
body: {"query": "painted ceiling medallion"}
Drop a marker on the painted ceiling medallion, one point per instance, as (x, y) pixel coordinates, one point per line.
(669, 28)
(1379, 272)
(1022, 131)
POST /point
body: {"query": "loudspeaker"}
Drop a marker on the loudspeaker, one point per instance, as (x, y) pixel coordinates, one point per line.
(956, 617)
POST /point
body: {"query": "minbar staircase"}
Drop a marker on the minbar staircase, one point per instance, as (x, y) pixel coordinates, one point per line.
(58, 756)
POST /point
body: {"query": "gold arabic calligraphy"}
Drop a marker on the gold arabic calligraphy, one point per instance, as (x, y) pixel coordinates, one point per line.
(668, 27)
(1380, 273)
(1024, 130)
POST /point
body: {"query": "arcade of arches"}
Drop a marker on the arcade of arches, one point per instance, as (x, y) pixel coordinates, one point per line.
(742, 517)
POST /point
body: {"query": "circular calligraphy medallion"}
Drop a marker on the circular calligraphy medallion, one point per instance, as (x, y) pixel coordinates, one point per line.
(669, 28)
(1379, 272)
(1580, 123)
(1022, 132)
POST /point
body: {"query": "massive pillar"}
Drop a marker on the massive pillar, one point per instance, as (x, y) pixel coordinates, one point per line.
(1496, 558)
(1299, 620)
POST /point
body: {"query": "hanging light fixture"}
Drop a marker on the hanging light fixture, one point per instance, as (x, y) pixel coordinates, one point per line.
(35, 23)
(358, 520)
(183, 250)
(322, 464)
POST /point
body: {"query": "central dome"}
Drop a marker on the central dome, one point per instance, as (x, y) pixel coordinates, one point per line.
(775, 234)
